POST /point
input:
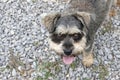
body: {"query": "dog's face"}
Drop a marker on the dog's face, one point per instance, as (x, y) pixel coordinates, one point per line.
(67, 34)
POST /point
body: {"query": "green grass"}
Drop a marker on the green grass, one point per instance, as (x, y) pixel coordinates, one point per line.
(2, 69)
(34, 1)
(46, 69)
(107, 28)
(103, 71)
(36, 43)
(74, 65)
(38, 78)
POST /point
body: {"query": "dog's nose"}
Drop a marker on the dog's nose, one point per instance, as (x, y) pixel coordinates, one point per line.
(68, 52)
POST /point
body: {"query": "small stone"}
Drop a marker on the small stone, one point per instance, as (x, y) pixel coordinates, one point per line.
(117, 23)
(45, 0)
(29, 1)
(13, 72)
(118, 66)
(43, 15)
(30, 60)
(0, 16)
(4, 0)
(107, 50)
(118, 56)
(27, 49)
(117, 77)
(50, 78)
(12, 32)
(1, 53)
(32, 79)
(6, 31)
(96, 62)
(85, 75)
(34, 65)
(19, 11)
(42, 30)
(54, 0)
(67, 75)
(28, 66)
(62, 6)
(110, 57)
(49, 0)
(35, 24)
(101, 52)
(20, 68)
(25, 73)
(106, 62)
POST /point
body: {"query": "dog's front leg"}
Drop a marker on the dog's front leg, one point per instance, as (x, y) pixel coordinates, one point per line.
(88, 57)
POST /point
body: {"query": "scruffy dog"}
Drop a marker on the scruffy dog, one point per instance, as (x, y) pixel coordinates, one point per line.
(72, 31)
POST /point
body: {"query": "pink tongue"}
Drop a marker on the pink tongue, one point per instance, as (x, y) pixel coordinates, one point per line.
(68, 59)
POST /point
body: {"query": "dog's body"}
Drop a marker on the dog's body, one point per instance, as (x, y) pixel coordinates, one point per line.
(72, 31)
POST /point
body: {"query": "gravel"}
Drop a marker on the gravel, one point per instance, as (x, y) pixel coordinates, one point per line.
(24, 52)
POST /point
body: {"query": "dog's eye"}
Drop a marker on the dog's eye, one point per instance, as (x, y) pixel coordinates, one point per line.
(60, 36)
(57, 38)
(77, 36)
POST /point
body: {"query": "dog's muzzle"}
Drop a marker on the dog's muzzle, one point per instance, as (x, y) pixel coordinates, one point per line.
(68, 51)
(67, 48)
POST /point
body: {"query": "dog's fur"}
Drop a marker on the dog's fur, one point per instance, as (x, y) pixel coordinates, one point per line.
(72, 31)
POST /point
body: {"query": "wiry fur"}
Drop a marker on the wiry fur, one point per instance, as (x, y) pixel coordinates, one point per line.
(82, 17)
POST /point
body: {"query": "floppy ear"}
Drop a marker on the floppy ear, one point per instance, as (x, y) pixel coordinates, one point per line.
(49, 21)
(84, 17)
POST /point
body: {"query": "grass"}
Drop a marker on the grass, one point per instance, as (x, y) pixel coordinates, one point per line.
(2, 69)
(103, 71)
(38, 78)
(74, 65)
(46, 69)
(49, 70)
(107, 27)
(34, 1)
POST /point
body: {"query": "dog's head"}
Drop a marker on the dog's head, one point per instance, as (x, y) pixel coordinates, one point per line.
(67, 33)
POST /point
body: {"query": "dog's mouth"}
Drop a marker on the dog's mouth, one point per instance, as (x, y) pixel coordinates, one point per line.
(68, 59)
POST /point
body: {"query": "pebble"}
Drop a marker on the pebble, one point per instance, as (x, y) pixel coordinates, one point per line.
(29, 1)
(118, 56)
(20, 68)
(110, 57)
(30, 60)
(12, 32)
(42, 30)
(101, 52)
(14, 72)
(85, 75)
(43, 15)
(4, 0)
(27, 49)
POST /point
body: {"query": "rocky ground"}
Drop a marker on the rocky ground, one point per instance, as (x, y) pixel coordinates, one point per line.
(24, 53)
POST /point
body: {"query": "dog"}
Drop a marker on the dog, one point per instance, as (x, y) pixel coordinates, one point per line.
(71, 32)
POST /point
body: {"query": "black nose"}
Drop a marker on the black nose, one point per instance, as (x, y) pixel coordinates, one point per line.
(67, 52)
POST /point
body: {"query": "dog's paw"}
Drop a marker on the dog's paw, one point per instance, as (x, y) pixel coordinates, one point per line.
(88, 60)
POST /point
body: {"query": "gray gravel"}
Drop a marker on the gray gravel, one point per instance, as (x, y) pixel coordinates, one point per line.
(24, 53)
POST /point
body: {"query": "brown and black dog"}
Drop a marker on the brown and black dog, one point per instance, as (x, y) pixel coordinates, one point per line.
(72, 31)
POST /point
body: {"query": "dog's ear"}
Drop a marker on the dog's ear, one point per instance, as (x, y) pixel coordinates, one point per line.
(49, 21)
(84, 17)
